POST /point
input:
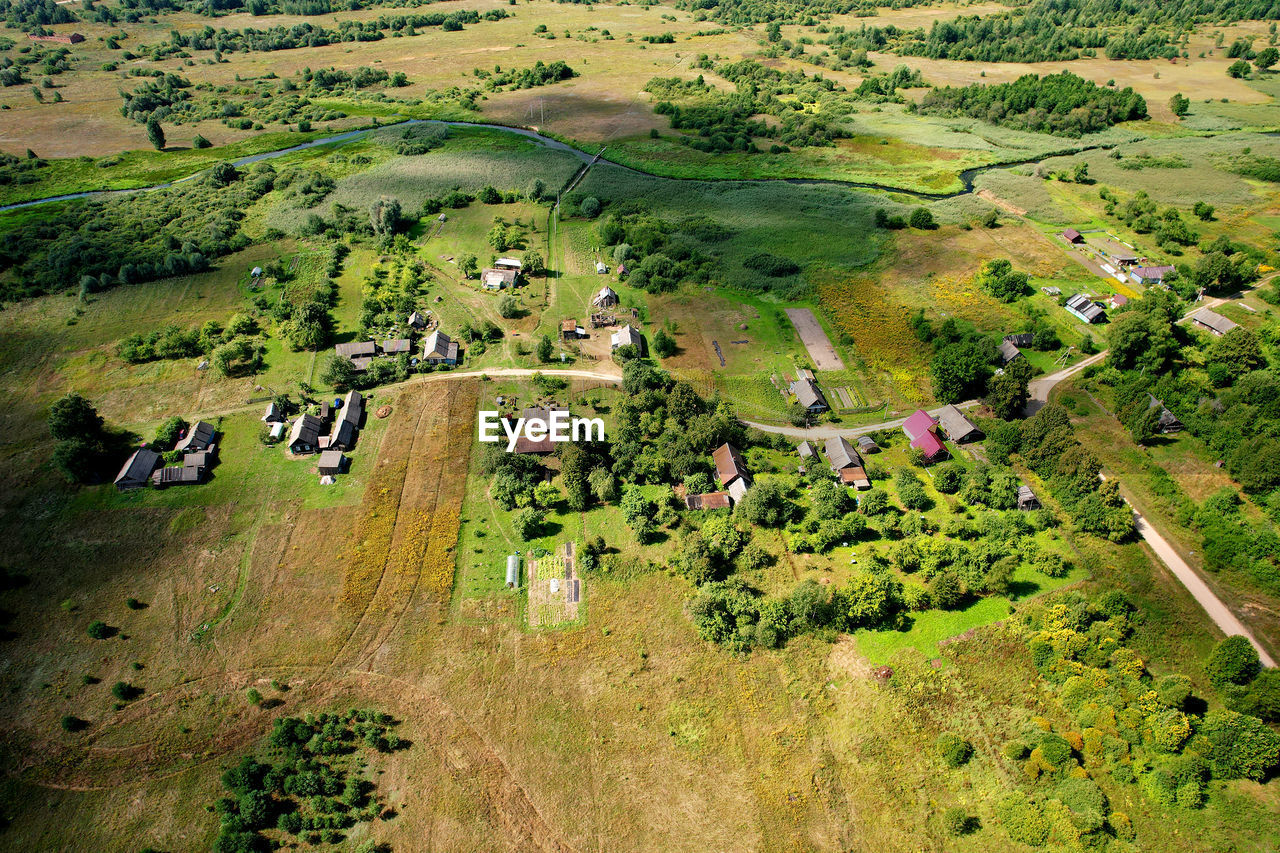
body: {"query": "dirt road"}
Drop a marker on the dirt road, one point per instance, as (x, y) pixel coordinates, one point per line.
(1217, 610)
(815, 339)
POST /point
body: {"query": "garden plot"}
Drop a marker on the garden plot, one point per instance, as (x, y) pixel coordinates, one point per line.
(555, 590)
(815, 340)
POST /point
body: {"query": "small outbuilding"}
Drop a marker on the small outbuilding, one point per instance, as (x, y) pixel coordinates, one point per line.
(601, 269)
(331, 463)
(710, 500)
(395, 346)
(513, 571)
(1084, 308)
(1009, 352)
(806, 451)
(498, 278)
(1072, 236)
(866, 444)
(347, 423)
(1027, 499)
(357, 349)
(417, 321)
(274, 414)
(1166, 421)
(606, 298)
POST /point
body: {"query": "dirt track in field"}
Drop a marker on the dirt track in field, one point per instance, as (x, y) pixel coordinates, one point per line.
(815, 340)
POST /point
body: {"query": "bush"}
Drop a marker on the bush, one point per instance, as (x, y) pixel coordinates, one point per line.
(922, 219)
(957, 822)
(124, 691)
(99, 630)
(254, 697)
(590, 207)
(1233, 661)
(1055, 749)
(74, 724)
(1023, 820)
(954, 750)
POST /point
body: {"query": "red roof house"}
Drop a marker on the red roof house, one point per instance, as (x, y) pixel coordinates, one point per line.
(922, 430)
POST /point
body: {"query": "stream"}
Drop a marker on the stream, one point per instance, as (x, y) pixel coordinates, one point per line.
(966, 177)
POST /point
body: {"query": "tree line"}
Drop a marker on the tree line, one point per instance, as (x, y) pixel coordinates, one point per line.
(1062, 104)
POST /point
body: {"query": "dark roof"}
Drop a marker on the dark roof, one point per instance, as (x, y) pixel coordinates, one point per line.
(1085, 307)
(347, 423)
(1071, 235)
(1020, 339)
(1026, 496)
(306, 430)
(1167, 420)
(867, 444)
(710, 500)
(841, 454)
(198, 437)
(855, 476)
(179, 475)
(729, 464)
(357, 349)
(138, 467)
(273, 413)
(199, 459)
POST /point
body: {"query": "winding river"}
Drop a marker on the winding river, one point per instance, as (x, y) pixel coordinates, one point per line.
(966, 177)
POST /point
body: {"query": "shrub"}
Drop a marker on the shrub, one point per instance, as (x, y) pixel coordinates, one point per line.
(771, 265)
(124, 691)
(98, 629)
(957, 822)
(133, 603)
(73, 724)
(590, 207)
(954, 750)
(1023, 820)
(1055, 749)
(254, 697)
(1233, 661)
(922, 219)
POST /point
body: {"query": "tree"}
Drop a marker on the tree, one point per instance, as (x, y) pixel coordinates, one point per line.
(1238, 350)
(527, 523)
(590, 207)
(385, 215)
(1000, 280)
(829, 499)
(868, 600)
(603, 485)
(638, 512)
(531, 263)
(1233, 661)
(1266, 58)
(74, 417)
(1240, 746)
(765, 504)
(573, 473)
(78, 459)
(223, 174)
(664, 346)
(922, 219)
(199, 141)
(499, 238)
(1141, 340)
(959, 371)
(1080, 174)
(339, 373)
(168, 433)
(309, 327)
(1203, 210)
(545, 348)
(1180, 105)
(468, 265)
(155, 133)
(954, 750)
(508, 307)
(1239, 69)
(1007, 394)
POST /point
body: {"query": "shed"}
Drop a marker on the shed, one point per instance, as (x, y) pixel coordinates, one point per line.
(957, 426)
(417, 321)
(1071, 235)
(1166, 421)
(1213, 321)
(1027, 499)
(513, 570)
(1117, 300)
(274, 414)
(805, 450)
(331, 462)
(1009, 352)
(395, 346)
(137, 469)
(867, 445)
(509, 264)
(601, 269)
(256, 272)
(856, 477)
(277, 430)
(1020, 339)
(709, 500)
(606, 298)
(569, 329)
(178, 475)
(1151, 275)
(544, 445)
